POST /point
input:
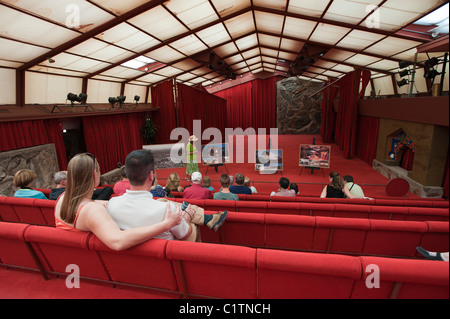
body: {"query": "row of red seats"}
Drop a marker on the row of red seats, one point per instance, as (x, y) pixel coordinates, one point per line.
(423, 202)
(329, 210)
(186, 270)
(41, 212)
(331, 235)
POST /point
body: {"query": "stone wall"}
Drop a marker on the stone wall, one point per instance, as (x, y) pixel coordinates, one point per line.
(297, 113)
(40, 159)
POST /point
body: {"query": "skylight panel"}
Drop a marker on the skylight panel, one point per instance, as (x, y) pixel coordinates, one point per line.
(138, 62)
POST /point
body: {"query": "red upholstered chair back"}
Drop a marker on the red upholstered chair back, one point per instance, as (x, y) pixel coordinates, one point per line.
(244, 229)
(56, 249)
(317, 209)
(295, 275)
(219, 271)
(436, 238)
(220, 205)
(283, 208)
(404, 279)
(290, 232)
(26, 211)
(251, 207)
(13, 249)
(47, 208)
(144, 265)
(7, 212)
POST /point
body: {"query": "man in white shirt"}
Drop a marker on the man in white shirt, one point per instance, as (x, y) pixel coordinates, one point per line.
(355, 189)
(137, 207)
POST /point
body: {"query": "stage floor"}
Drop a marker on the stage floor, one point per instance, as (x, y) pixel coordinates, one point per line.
(372, 182)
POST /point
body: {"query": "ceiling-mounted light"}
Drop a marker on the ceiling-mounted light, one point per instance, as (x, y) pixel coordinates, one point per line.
(404, 64)
(404, 73)
(81, 98)
(431, 74)
(402, 83)
(432, 62)
(136, 99)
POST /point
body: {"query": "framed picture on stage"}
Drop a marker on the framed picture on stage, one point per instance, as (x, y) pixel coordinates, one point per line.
(215, 154)
(269, 159)
(315, 156)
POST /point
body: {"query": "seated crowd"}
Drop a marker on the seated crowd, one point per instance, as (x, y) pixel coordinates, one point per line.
(139, 209)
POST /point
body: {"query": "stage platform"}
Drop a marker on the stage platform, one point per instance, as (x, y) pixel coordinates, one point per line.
(372, 182)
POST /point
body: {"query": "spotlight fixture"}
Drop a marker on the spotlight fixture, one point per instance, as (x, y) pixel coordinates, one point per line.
(404, 73)
(431, 74)
(81, 98)
(120, 100)
(402, 83)
(432, 62)
(404, 64)
(136, 99)
(51, 60)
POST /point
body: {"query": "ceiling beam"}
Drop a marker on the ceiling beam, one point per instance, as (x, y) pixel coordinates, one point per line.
(92, 33)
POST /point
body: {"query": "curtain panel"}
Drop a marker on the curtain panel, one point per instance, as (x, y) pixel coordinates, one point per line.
(367, 138)
(195, 104)
(23, 134)
(111, 138)
(166, 118)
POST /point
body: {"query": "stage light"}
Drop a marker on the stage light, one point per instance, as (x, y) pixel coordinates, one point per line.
(82, 98)
(136, 99)
(404, 73)
(402, 83)
(121, 99)
(431, 74)
(432, 63)
(112, 101)
(404, 64)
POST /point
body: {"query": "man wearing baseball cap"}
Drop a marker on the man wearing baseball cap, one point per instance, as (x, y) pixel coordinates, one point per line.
(196, 191)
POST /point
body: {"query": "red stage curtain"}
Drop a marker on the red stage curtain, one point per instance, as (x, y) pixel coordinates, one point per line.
(346, 121)
(328, 115)
(264, 104)
(195, 104)
(165, 119)
(111, 138)
(367, 141)
(23, 134)
(239, 105)
(407, 159)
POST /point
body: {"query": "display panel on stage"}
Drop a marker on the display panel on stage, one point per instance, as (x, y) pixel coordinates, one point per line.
(315, 156)
(215, 154)
(269, 160)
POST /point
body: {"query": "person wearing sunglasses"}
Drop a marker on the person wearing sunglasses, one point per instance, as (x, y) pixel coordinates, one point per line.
(76, 211)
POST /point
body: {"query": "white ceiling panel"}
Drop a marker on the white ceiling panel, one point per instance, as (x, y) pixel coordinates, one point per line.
(226, 50)
(362, 60)
(225, 8)
(247, 42)
(240, 25)
(19, 52)
(193, 13)
(299, 28)
(215, 35)
(359, 40)
(308, 7)
(159, 23)
(329, 34)
(269, 41)
(269, 22)
(128, 37)
(392, 46)
(165, 55)
(189, 45)
(350, 11)
(277, 5)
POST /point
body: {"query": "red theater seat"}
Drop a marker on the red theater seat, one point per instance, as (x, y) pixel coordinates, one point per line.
(340, 235)
(427, 214)
(404, 279)
(244, 229)
(394, 238)
(436, 238)
(283, 208)
(296, 275)
(56, 249)
(26, 211)
(144, 265)
(352, 211)
(389, 212)
(47, 208)
(7, 212)
(220, 205)
(290, 232)
(251, 207)
(13, 249)
(317, 209)
(219, 271)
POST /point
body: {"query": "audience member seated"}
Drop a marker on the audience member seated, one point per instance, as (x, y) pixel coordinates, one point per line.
(433, 255)
(173, 183)
(247, 183)
(60, 181)
(294, 187)
(284, 188)
(122, 186)
(207, 184)
(76, 211)
(337, 188)
(239, 188)
(24, 179)
(196, 191)
(157, 190)
(355, 189)
(225, 193)
(138, 208)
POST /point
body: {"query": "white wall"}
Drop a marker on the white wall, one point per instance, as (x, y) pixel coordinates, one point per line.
(132, 90)
(7, 86)
(49, 89)
(101, 91)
